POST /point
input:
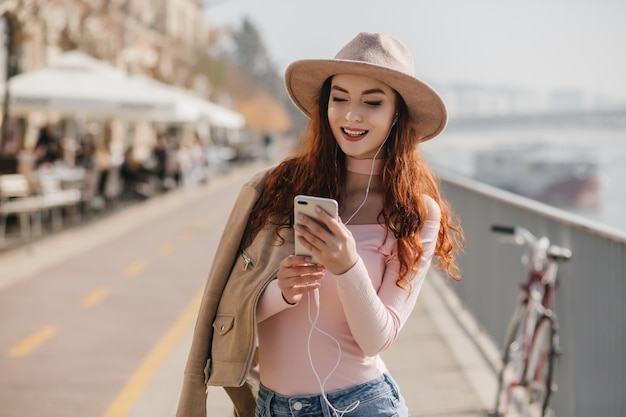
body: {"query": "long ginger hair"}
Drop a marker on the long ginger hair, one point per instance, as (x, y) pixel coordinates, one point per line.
(317, 168)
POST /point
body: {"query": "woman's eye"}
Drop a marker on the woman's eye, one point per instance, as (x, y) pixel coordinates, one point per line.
(339, 99)
(374, 103)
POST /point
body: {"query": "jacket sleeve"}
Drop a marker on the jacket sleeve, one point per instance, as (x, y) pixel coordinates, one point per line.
(192, 402)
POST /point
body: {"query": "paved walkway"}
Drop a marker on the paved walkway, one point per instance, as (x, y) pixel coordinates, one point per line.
(435, 361)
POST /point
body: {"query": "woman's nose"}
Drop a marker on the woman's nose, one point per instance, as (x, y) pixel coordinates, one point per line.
(353, 115)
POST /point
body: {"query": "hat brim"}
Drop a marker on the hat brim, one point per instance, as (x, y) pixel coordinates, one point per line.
(427, 111)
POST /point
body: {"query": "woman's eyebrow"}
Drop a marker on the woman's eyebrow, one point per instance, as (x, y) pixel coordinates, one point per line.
(370, 91)
(374, 91)
(336, 87)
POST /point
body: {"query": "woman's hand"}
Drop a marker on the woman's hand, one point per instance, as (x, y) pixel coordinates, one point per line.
(297, 275)
(334, 247)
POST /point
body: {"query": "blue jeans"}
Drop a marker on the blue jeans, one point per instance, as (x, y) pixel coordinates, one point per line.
(378, 397)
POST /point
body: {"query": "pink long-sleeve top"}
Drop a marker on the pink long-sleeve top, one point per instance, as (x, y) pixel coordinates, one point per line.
(363, 309)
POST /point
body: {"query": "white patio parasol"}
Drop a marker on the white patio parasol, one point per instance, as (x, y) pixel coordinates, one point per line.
(76, 83)
(188, 107)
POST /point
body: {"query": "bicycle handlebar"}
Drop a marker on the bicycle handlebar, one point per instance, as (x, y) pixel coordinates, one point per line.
(509, 230)
(520, 235)
(540, 246)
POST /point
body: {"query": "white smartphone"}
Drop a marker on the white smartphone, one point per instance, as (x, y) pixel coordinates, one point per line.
(306, 204)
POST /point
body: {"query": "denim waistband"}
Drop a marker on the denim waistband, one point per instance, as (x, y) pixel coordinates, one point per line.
(360, 397)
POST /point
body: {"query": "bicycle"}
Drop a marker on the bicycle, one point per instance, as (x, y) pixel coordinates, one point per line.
(526, 380)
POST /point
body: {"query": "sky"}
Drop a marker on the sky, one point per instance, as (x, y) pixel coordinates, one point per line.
(542, 45)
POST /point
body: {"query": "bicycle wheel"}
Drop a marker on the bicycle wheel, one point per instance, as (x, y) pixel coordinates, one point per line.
(541, 366)
(510, 375)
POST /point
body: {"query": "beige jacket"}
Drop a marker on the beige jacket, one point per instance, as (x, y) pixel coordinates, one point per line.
(224, 340)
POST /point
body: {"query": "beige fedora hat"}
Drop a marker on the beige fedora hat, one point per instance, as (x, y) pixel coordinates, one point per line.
(375, 55)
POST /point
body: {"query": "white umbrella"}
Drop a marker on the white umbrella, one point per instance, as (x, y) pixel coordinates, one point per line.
(222, 116)
(192, 108)
(77, 83)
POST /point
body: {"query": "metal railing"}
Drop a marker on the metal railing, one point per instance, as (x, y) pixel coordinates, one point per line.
(590, 297)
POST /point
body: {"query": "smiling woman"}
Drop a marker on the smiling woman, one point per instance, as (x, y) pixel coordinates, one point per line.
(323, 320)
(360, 114)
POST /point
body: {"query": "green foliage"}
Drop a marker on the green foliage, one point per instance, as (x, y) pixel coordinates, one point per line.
(252, 57)
(247, 65)
(215, 69)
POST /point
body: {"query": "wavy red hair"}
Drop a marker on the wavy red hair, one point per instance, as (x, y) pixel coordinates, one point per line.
(318, 168)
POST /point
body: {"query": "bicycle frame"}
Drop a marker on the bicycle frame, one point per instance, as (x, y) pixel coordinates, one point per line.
(539, 301)
(531, 346)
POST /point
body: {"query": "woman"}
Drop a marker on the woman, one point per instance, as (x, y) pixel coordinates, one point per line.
(322, 327)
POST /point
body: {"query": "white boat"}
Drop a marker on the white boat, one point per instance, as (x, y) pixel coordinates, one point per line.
(564, 176)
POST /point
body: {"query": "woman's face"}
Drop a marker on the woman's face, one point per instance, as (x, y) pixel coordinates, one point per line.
(360, 113)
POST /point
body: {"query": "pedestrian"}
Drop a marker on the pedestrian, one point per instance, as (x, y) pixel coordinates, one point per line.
(267, 147)
(48, 147)
(320, 328)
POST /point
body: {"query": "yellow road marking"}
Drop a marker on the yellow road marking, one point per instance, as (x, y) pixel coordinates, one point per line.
(135, 268)
(95, 297)
(165, 250)
(145, 372)
(32, 342)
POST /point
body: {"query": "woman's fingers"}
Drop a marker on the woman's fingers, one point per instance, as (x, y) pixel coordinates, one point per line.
(297, 275)
(316, 236)
(296, 269)
(333, 244)
(324, 222)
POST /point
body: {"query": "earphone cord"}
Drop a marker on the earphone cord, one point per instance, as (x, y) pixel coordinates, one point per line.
(313, 321)
(369, 181)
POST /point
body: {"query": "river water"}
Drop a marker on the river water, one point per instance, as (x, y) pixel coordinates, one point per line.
(455, 150)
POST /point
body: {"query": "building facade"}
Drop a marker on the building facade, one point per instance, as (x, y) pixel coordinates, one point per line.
(158, 38)
(161, 39)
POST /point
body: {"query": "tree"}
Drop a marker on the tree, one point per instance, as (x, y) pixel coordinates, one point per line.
(252, 79)
(250, 53)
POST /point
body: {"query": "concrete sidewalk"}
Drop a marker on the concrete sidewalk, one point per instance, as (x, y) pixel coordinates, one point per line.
(442, 362)
(436, 360)
(439, 369)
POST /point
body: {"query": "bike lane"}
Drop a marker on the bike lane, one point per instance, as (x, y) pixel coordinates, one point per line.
(115, 313)
(80, 312)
